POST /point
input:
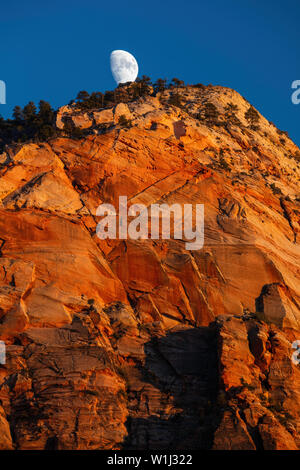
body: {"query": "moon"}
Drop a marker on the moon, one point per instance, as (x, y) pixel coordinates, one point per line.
(123, 66)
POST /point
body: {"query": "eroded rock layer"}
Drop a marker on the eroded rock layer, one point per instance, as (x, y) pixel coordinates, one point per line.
(143, 344)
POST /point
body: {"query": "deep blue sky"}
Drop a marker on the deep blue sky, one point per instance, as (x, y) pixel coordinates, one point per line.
(50, 50)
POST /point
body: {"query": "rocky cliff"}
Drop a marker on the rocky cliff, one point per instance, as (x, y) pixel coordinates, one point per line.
(141, 344)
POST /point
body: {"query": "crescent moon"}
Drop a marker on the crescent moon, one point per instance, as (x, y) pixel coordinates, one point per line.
(124, 67)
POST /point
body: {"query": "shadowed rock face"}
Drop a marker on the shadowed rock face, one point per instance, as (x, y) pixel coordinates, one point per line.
(142, 344)
(179, 380)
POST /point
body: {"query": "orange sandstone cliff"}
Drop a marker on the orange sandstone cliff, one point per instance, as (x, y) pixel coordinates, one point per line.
(141, 344)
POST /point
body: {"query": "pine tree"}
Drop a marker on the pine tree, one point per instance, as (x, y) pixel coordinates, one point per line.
(18, 113)
(144, 85)
(252, 116)
(83, 96)
(210, 114)
(177, 83)
(230, 114)
(46, 113)
(29, 111)
(160, 85)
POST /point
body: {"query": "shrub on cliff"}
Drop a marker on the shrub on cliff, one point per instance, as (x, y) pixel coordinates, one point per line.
(210, 114)
(84, 100)
(177, 83)
(275, 189)
(124, 122)
(252, 116)
(72, 131)
(283, 133)
(160, 85)
(224, 165)
(230, 114)
(296, 156)
(141, 87)
(28, 124)
(175, 100)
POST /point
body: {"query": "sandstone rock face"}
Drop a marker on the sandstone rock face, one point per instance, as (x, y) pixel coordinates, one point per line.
(143, 344)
